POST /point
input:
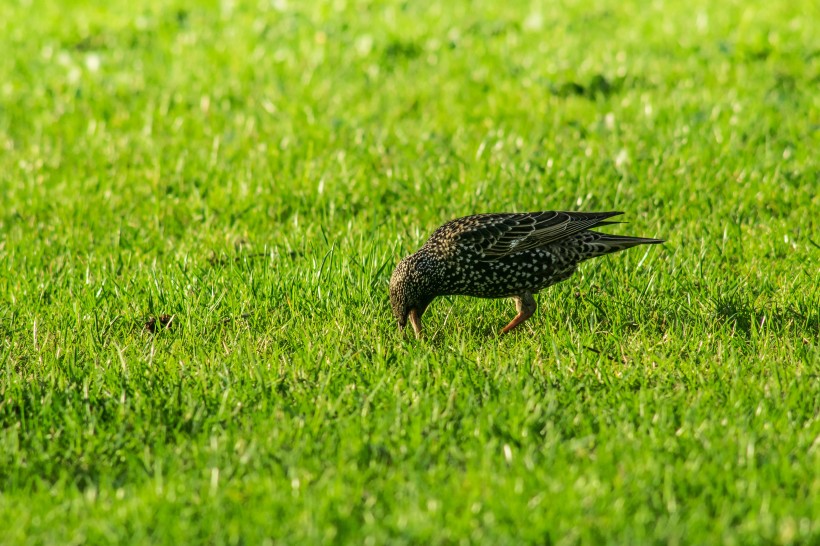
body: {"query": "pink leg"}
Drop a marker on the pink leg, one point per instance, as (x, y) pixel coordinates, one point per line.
(525, 305)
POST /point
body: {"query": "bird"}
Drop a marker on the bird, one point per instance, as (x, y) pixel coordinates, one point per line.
(501, 255)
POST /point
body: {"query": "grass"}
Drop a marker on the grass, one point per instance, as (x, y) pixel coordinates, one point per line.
(255, 170)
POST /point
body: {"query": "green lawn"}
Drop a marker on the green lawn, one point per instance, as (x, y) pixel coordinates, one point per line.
(254, 170)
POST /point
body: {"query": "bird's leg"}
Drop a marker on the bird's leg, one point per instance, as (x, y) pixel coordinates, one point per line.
(525, 305)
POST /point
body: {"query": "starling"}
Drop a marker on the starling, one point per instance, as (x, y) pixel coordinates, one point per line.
(504, 255)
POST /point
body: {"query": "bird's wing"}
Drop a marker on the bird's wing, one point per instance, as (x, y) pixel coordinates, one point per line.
(497, 235)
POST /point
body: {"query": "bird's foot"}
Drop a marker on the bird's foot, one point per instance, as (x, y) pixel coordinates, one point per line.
(525, 305)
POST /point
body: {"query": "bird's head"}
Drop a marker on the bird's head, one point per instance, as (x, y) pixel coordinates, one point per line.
(410, 291)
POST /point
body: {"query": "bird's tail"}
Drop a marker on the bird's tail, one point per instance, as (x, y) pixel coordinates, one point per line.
(604, 243)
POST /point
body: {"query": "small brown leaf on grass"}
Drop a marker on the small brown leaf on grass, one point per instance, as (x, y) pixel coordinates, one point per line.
(156, 323)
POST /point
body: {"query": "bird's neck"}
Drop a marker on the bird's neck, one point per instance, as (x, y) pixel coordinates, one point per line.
(429, 271)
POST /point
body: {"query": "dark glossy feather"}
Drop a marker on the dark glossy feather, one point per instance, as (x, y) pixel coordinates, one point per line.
(493, 236)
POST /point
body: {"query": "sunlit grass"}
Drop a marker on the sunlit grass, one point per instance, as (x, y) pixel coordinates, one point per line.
(248, 174)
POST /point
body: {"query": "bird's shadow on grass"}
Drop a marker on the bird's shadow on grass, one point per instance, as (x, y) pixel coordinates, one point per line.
(476, 321)
(743, 316)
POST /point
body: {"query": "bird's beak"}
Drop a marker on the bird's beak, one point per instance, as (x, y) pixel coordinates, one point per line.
(415, 320)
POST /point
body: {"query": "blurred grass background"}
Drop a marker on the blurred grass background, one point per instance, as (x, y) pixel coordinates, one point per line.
(255, 170)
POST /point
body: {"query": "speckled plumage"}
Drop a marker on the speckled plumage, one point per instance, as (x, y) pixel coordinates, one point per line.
(500, 255)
